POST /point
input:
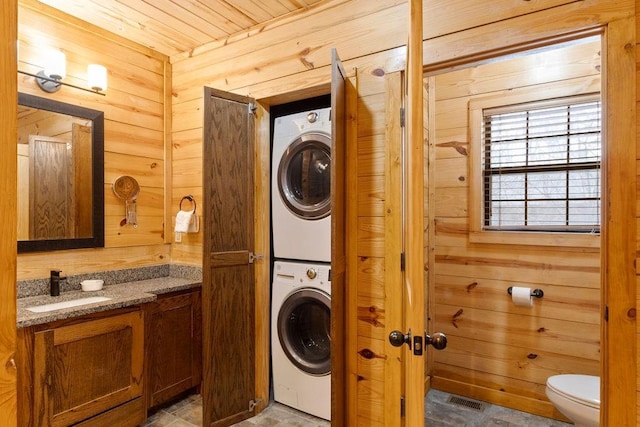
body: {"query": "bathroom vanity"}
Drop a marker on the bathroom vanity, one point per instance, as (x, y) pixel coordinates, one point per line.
(108, 363)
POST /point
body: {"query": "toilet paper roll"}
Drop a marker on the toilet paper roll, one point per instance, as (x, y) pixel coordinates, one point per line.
(521, 296)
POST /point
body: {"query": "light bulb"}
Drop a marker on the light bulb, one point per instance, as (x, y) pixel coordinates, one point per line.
(97, 77)
(56, 65)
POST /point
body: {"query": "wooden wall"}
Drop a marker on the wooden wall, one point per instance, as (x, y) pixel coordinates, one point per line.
(282, 61)
(135, 118)
(637, 264)
(285, 61)
(8, 201)
(289, 60)
(498, 351)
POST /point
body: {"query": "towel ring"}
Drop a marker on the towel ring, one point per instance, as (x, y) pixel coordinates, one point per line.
(191, 199)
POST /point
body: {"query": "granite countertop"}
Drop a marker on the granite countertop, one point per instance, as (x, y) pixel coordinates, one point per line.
(121, 294)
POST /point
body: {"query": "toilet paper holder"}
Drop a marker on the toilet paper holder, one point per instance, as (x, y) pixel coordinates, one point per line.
(538, 293)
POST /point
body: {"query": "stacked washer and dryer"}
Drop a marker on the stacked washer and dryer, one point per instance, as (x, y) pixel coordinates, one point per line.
(301, 292)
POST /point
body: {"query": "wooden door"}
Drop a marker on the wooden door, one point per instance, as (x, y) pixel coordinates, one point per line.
(405, 301)
(82, 180)
(338, 233)
(228, 292)
(415, 295)
(51, 198)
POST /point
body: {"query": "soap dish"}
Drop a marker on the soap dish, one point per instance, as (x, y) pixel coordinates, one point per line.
(92, 285)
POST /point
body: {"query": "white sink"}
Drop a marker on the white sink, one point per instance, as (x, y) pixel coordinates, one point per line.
(66, 304)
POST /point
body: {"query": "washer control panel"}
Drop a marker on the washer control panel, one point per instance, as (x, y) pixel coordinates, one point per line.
(302, 273)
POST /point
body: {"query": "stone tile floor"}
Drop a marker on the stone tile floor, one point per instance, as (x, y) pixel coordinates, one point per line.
(439, 413)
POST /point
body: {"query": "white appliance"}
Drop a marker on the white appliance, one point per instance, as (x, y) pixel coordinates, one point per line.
(301, 186)
(300, 336)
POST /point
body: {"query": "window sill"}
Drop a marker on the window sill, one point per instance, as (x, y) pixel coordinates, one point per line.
(590, 241)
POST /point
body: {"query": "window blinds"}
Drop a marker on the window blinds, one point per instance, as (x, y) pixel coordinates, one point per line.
(541, 165)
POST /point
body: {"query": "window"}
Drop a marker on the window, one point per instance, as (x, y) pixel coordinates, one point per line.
(541, 166)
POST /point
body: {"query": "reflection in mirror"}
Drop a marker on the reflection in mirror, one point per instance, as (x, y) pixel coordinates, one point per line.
(60, 175)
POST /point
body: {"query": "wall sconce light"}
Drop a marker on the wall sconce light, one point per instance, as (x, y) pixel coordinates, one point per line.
(55, 69)
(97, 77)
(50, 78)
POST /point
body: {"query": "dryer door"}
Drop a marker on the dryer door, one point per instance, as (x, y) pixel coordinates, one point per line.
(304, 330)
(304, 176)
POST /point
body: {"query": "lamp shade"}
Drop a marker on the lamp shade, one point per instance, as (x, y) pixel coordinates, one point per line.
(56, 65)
(97, 77)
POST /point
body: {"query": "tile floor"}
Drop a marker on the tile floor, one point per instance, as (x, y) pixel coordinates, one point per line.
(439, 413)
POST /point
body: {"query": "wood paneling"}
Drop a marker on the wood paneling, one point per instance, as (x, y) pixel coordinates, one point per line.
(38, 265)
(619, 260)
(288, 60)
(172, 26)
(8, 223)
(134, 108)
(536, 28)
(286, 73)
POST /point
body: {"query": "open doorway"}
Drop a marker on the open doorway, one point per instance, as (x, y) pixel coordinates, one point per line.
(491, 231)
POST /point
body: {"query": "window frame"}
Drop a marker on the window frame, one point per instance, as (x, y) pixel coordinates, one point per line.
(476, 107)
(527, 170)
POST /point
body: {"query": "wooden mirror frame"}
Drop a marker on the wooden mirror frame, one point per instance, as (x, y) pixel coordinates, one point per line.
(97, 173)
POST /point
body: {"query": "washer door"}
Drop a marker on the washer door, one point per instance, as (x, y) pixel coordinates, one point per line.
(304, 176)
(304, 330)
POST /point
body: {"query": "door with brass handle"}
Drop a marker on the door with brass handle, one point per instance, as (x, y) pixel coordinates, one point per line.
(438, 340)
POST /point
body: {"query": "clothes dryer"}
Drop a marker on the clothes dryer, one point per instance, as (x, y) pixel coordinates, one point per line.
(301, 186)
(300, 336)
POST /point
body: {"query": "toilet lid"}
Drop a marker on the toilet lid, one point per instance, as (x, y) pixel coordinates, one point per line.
(584, 389)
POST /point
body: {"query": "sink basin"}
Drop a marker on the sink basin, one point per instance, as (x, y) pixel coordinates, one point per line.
(66, 304)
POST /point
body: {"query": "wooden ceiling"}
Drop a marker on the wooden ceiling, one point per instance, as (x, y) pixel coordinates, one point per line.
(176, 26)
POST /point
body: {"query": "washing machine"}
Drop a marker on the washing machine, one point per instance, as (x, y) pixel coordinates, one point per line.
(301, 186)
(300, 336)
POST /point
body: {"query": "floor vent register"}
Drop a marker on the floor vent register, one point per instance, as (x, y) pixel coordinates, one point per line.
(467, 403)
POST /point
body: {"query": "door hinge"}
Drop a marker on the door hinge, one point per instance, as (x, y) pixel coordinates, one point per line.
(606, 313)
(402, 117)
(252, 107)
(402, 261)
(402, 410)
(254, 257)
(253, 403)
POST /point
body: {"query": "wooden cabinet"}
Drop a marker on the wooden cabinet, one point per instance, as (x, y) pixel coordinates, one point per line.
(87, 370)
(174, 345)
(109, 368)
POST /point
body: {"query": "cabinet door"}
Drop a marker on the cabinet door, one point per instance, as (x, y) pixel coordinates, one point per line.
(175, 349)
(228, 285)
(84, 369)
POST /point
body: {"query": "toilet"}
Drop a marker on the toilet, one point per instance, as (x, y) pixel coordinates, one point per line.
(577, 397)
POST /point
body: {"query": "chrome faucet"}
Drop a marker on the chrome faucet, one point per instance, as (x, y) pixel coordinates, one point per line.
(54, 282)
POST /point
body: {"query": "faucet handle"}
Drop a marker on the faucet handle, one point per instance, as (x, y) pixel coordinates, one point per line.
(55, 274)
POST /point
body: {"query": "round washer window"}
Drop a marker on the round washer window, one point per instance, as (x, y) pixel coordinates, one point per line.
(304, 176)
(304, 330)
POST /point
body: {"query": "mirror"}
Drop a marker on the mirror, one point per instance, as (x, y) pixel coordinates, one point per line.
(60, 175)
